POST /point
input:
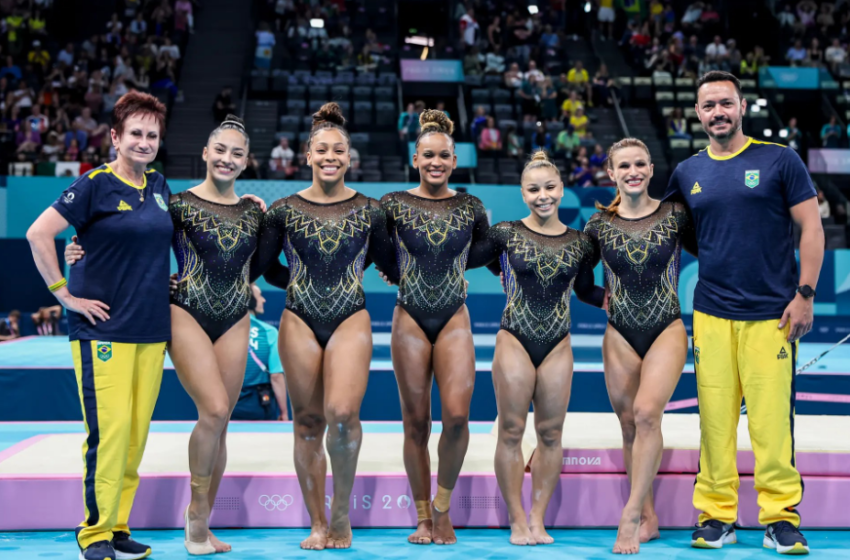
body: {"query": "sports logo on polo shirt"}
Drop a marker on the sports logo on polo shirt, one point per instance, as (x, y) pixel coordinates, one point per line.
(160, 202)
(104, 351)
(751, 178)
(123, 206)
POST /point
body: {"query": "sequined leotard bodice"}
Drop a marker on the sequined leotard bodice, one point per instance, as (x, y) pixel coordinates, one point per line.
(540, 273)
(214, 244)
(327, 247)
(641, 259)
(433, 240)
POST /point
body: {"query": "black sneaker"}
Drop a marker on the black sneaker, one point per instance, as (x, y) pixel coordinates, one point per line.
(713, 534)
(101, 550)
(785, 538)
(128, 549)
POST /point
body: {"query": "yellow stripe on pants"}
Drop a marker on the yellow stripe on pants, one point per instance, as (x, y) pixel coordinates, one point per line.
(118, 385)
(753, 360)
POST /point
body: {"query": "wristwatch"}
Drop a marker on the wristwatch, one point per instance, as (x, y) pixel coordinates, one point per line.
(806, 291)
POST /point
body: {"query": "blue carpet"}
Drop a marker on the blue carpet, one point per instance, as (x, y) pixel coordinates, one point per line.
(484, 544)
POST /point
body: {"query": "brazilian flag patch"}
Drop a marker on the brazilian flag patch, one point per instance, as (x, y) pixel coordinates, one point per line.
(104, 351)
(751, 178)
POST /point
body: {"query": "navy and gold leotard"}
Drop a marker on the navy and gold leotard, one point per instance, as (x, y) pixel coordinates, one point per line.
(641, 260)
(540, 273)
(433, 240)
(327, 247)
(214, 244)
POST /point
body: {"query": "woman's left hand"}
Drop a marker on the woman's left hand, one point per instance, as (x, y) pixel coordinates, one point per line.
(256, 199)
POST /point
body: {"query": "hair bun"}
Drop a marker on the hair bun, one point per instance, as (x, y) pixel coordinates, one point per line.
(329, 112)
(436, 120)
(233, 120)
(540, 155)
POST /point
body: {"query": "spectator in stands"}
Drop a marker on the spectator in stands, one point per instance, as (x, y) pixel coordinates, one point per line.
(823, 205)
(282, 160)
(52, 150)
(717, 50)
(548, 100)
(788, 20)
(567, 143)
(72, 152)
(10, 327)
(570, 104)
(494, 33)
(541, 140)
(407, 123)
(709, 19)
(807, 13)
(183, 16)
(490, 140)
(37, 121)
(495, 61)
(606, 16)
(252, 168)
(223, 104)
(95, 133)
(513, 77)
(528, 94)
(814, 55)
(139, 26)
(581, 175)
(478, 122)
(11, 69)
(796, 55)
(441, 106)
(513, 143)
(472, 62)
(733, 56)
(791, 134)
(599, 157)
(469, 27)
(28, 141)
(549, 39)
(825, 19)
(23, 97)
(602, 85)
(579, 79)
(749, 66)
(640, 42)
(830, 133)
(691, 17)
(579, 122)
(836, 55)
(533, 72)
(677, 125)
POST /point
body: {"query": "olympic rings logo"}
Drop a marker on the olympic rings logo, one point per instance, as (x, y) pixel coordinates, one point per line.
(276, 502)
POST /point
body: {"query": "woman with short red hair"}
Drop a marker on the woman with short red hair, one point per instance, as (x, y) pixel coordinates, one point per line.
(118, 314)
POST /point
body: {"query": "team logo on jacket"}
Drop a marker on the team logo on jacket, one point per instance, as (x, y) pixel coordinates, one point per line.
(160, 202)
(104, 351)
(751, 178)
(783, 355)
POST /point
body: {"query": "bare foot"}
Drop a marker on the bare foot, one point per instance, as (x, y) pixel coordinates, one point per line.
(317, 540)
(521, 535)
(443, 532)
(422, 535)
(539, 534)
(628, 539)
(219, 546)
(649, 529)
(339, 534)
